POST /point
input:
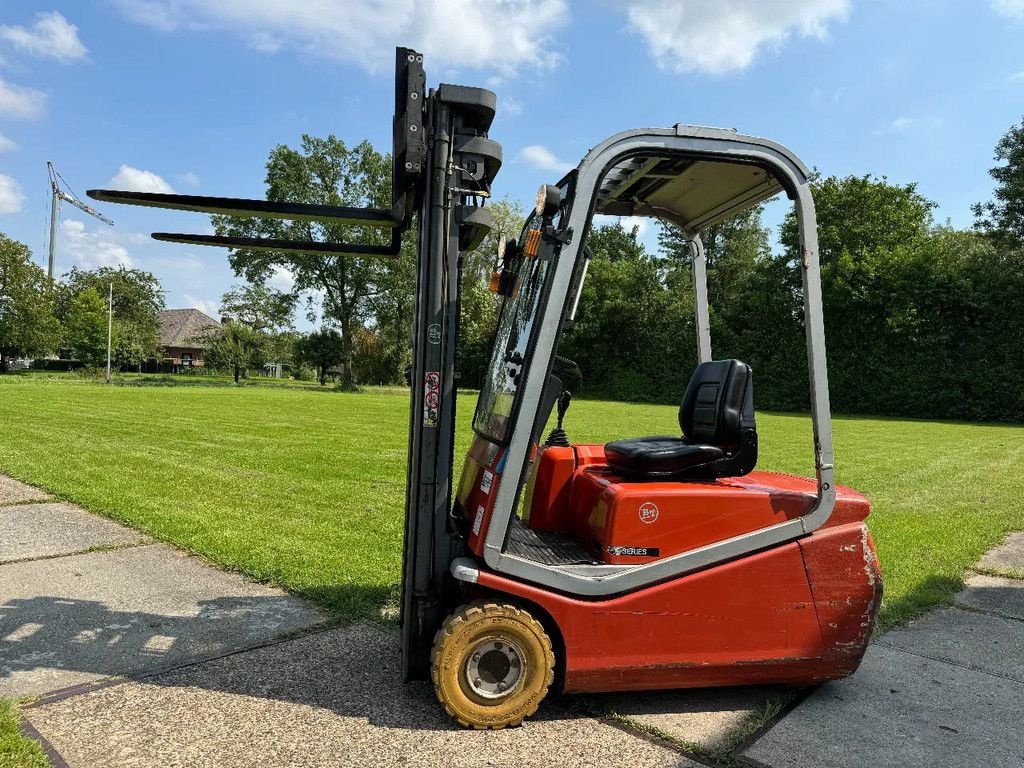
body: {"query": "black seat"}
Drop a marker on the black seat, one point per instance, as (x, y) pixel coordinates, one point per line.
(719, 433)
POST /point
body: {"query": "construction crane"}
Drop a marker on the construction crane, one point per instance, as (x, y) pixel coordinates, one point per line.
(67, 196)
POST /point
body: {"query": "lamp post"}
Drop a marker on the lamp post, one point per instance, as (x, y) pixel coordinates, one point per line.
(110, 324)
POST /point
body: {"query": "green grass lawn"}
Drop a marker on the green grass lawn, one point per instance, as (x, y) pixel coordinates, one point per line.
(305, 487)
(16, 751)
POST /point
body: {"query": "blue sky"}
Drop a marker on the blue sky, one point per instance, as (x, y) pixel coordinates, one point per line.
(191, 95)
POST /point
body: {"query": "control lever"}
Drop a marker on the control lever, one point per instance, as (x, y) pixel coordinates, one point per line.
(557, 437)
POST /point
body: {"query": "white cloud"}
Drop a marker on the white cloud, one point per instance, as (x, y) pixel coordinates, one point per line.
(509, 105)
(502, 36)
(51, 37)
(11, 196)
(1017, 78)
(157, 14)
(177, 262)
(137, 180)
(1013, 9)
(898, 125)
(90, 247)
(719, 36)
(26, 103)
(209, 306)
(6, 144)
(189, 179)
(281, 279)
(905, 124)
(543, 159)
(642, 223)
(264, 42)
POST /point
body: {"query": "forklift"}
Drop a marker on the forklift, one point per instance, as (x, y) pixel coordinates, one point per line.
(649, 562)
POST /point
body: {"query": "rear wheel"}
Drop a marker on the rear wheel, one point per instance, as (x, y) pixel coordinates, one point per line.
(492, 665)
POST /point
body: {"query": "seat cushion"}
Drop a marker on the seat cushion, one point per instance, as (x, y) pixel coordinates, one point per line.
(662, 455)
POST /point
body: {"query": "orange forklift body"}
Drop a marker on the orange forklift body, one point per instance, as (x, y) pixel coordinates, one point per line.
(799, 613)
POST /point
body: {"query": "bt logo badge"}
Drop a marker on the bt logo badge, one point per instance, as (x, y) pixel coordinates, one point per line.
(648, 512)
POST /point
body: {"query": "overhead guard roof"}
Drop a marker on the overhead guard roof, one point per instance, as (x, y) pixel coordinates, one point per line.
(691, 192)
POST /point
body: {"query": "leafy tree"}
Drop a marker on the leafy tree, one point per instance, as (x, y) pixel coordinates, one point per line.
(85, 327)
(732, 250)
(861, 214)
(391, 309)
(374, 359)
(138, 301)
(479, 318)
(1004, 215)
(509, 216)
(27, 323)
(328, 172)
(868, 231)
(633, 338)
(478, 312)
(280, 348)
(236, 348)
(260, 307)
(322, 349)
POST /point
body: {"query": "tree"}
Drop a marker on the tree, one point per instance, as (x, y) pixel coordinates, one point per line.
(479, 318)
(389, 325)
(1003, 216)
(478, 311)
(27, 323)
(632, 336)
(509, 218)
(859, 215)
(324, 171)
(322, 349)
(732, 249)
(236, 348)
(261, 308)
(85, 327)
(138, 300)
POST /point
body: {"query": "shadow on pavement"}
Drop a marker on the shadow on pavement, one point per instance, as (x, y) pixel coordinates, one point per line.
(352, 671)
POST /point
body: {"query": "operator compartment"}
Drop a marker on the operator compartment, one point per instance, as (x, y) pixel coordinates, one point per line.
(638, 500)
(637, 522)
(623, 521)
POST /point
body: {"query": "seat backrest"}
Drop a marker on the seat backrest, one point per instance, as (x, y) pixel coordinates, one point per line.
(719, 404)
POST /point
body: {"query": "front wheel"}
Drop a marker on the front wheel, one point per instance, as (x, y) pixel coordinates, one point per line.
(491, 664)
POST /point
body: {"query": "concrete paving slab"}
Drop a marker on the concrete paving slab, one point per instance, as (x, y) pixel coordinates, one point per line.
(994, 594)
(330, 699)
(713, 718)
(15, 492)
(45, 530)
(979, 641)
(71, 620)
(1008, 558)
(901, 710)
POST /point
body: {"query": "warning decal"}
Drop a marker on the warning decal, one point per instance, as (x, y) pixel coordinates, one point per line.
(431, 398)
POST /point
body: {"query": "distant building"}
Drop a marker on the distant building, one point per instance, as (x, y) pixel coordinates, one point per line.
(183, 335)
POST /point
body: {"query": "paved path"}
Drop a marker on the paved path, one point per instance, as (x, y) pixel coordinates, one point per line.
(82, 598)
(946, 690)
(143, 656)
